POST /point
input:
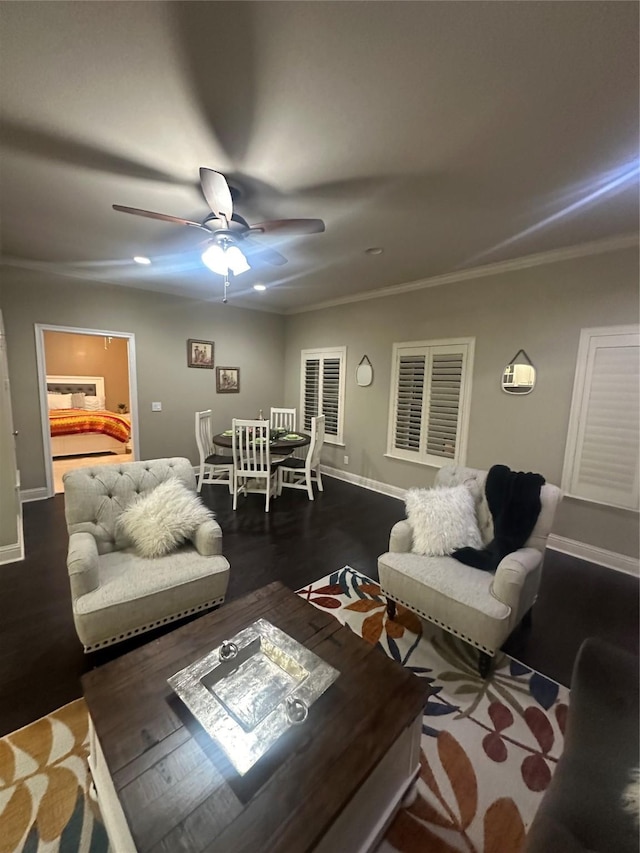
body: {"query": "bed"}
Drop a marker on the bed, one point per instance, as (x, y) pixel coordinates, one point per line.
(78, 432)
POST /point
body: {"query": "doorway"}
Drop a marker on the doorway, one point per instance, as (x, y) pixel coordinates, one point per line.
(88, 399)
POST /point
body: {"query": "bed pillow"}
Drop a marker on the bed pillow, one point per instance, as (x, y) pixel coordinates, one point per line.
(156, 522)
(442, 519)
(77, 400)
(93, 404)
(59, 401)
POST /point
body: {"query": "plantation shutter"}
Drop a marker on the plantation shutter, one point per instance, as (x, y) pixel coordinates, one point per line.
(331, 395)
(408, 425)
(430, 398)
(311, 390)
(444, 404)
(604, 447)
(323, 390)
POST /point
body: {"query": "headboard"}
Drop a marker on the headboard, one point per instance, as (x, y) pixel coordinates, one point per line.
(90, 385)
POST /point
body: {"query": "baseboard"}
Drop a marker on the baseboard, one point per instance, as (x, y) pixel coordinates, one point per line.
(11, 553)
(40, 494)
(14, 552)
(581, 550)
(593, 554)
(364, 482)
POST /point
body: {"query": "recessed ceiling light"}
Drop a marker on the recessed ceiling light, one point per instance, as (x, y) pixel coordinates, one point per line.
(374, 250)
(140, 259)
(259, 287)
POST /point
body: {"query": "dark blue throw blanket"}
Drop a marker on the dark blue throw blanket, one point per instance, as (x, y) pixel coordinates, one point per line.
(514, 501)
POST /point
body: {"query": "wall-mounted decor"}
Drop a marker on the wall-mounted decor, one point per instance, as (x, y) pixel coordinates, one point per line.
(519, 376)
(227, 380)
(200, 354)
(364, 372)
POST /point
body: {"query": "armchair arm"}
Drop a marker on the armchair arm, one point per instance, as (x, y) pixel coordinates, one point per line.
(82, 564)
(208, 539)
(516, 580)
(401, 538)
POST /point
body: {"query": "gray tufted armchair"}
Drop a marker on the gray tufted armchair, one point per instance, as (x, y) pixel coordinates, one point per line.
(115, 593)
(479, 607)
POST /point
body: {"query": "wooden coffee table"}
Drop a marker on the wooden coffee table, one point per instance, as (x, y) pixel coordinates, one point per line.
(331, 784)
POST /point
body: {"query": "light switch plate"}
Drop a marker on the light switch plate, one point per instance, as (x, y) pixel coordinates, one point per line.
(156, 407)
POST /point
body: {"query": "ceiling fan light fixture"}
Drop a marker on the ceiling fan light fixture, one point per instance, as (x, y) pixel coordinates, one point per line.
(259, 287)
(236, 261)
(140, 259)
(221, 260)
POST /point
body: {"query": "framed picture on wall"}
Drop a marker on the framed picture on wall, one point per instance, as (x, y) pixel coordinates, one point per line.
(200, 354)
(228, 380)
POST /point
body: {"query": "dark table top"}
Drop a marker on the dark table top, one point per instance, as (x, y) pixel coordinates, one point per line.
(177, 788)
(278, 444)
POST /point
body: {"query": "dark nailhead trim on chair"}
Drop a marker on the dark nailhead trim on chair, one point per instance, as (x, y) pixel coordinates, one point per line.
(440, 624)
(103, 643)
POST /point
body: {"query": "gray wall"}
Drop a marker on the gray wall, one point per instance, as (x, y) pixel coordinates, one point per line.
(250, 340)
(540, 309)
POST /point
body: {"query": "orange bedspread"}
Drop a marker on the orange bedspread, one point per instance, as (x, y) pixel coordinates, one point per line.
(74, 421)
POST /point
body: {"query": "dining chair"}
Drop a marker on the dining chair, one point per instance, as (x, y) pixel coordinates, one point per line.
(302, 473)
(283, 419)
(214, 467)
(253, 469)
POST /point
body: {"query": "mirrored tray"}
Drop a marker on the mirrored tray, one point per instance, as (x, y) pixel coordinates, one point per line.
(253, 687)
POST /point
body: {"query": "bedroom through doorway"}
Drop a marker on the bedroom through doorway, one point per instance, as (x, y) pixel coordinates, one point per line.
(89, 413)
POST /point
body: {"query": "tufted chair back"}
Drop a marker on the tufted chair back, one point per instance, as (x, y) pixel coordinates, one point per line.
(474, 479)
(95, 497)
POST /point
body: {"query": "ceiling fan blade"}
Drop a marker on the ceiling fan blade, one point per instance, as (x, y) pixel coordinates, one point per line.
(289, 226)
(151, 215)
(256, 252)
(217, 193)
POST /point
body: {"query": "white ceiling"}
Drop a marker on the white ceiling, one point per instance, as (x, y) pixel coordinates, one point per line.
(438, 130)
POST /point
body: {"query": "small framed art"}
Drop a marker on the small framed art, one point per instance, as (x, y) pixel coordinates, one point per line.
(228, 380)
(200, 354)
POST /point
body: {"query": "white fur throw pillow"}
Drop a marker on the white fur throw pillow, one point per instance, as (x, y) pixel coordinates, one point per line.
(442, 520)
(156, 522)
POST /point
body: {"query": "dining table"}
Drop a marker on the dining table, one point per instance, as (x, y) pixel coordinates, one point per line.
(280, 444)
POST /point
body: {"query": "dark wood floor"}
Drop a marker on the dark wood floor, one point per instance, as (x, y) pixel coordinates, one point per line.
(41, 659)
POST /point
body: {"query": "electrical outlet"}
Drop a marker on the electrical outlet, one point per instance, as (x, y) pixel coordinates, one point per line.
(156, 407)
(346, 460)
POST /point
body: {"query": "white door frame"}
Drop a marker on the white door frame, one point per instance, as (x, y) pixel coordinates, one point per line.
(10, 552)
(40, 329)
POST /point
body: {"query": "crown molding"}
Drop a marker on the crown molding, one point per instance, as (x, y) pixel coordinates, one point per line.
(567, 253)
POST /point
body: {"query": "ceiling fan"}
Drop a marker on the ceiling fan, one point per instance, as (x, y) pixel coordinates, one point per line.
(231, 248)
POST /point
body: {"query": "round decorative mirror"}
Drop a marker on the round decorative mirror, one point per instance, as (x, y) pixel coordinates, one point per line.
(519, 376)
(364, 372)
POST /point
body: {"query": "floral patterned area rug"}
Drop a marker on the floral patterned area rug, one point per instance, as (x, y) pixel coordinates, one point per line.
(489, 748)
(44, 779)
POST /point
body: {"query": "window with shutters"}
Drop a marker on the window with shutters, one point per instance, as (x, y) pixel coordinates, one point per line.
(322, 390)
(429, 401)
(603, 440)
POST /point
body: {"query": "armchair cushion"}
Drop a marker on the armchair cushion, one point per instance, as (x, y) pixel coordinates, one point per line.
(131, 598)
(448, 593)
(160, 520)
(442, 520)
